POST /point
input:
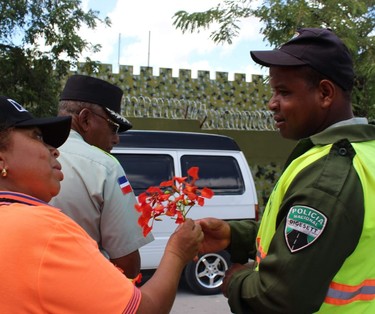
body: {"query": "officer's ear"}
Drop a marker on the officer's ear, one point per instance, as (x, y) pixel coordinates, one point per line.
(327, 92)
(83, 119)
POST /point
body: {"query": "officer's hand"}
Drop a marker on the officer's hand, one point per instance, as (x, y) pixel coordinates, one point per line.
(228, 276)
(216, 234)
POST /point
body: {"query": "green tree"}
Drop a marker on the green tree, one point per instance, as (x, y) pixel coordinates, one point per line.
(352, 21)
(39, 45)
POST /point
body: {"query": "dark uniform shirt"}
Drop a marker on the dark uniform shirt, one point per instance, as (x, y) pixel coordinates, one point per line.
(298, 282)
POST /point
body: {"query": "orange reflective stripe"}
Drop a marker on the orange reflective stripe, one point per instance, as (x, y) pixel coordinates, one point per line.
(260, 254)
(339, 294)
(258, 258)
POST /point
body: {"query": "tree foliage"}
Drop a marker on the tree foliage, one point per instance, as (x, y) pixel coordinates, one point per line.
(39, 44)
(352, 21)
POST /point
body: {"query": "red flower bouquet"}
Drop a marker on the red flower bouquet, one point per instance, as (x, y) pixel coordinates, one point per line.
(172, 198)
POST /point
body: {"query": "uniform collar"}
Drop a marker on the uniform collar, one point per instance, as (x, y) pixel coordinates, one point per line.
(355, 120)
(353, 132)
(74, 134)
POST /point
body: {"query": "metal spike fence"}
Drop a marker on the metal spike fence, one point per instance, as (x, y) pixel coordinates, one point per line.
(210, 119)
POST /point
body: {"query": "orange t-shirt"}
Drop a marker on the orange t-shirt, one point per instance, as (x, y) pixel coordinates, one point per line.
(49, 264)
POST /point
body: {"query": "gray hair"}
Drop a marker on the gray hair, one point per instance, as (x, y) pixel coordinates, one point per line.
(71, 107)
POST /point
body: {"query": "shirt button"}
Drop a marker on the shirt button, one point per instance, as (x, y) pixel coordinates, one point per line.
(343, 151)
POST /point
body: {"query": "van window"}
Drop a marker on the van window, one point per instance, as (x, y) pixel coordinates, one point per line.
(145, 170)
(222, 174)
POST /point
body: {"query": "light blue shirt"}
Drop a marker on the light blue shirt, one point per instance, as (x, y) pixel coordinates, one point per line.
(91, 195)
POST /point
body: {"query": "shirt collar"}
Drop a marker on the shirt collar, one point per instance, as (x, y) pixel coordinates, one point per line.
(74, 134)
(351, 121)
(351, 130)
(14, 197)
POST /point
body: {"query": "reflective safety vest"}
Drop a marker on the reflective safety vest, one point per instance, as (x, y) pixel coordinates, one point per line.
(354, 285)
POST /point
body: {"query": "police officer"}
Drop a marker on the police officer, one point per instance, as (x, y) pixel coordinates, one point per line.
(95, 191)
(314, 248)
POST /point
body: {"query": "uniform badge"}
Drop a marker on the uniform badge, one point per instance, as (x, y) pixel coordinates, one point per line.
(303, 226)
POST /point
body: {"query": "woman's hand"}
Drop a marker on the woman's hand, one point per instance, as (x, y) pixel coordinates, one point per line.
(185, 241)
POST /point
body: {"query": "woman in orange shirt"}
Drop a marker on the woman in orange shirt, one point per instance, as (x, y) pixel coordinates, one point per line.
(48, 262)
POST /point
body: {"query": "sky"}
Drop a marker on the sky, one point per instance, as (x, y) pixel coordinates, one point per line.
(142, 34)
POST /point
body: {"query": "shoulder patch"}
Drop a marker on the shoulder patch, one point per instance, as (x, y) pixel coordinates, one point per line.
(124, 185)
(303, 226)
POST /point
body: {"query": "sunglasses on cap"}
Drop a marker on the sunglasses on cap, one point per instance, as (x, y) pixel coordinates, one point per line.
(113, 125)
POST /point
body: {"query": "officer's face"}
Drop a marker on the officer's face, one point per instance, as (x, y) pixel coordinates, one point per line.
(296, 105)
(103, 132)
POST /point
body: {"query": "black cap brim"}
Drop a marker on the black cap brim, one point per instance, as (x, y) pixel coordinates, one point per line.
(55, 130)
(275, 58)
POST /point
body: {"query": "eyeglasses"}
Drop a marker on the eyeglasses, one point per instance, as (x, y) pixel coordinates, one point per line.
(113, 125)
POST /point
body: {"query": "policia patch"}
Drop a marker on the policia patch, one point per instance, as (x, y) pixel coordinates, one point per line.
(303, 226)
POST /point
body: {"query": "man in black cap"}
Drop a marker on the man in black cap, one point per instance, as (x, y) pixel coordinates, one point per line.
(314, 248)
(95, 191)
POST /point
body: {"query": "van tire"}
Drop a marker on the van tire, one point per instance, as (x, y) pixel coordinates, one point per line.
(206, 276)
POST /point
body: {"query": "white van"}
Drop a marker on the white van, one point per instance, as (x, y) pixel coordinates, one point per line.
(150, 157)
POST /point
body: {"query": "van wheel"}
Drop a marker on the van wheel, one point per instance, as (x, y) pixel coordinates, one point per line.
(206, 275)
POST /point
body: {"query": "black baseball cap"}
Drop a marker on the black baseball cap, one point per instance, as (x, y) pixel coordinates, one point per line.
(55, 130)
(96, 91)
(318, 48)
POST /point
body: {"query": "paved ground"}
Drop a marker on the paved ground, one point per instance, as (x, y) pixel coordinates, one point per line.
(189, 303)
